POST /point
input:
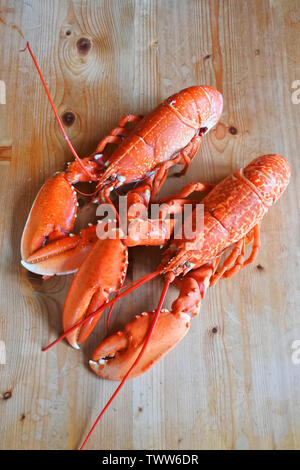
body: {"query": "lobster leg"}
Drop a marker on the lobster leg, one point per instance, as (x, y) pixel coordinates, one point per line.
(157, 231)
(236, 257)
(145, 231)
(109, 139)
(239, 263)
(189, 189)
(184, 157)
(117, 134)
(115, 355)
(188, 153)
(231, 259)
(160, 177)
(255, 246)
(129, 118)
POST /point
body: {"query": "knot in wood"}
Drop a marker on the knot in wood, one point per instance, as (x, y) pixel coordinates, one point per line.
(68, 118)
(84, 45)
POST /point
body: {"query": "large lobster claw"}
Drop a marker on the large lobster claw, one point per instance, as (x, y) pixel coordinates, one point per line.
(117, 353)
(48, 247)
(52, 215)
(113, 358)
(100, 274)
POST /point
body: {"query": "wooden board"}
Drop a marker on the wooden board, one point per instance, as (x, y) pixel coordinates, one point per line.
(236, 388)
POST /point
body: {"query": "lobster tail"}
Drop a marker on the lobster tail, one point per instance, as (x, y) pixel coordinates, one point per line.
(270, 174)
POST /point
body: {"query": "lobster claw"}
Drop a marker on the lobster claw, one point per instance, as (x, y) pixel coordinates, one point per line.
(100, 274)
(51, 218)
(117, 353)
(114, 356)
(48, 247)
(63, 256)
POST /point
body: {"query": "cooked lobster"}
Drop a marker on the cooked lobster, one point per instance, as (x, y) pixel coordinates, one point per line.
(233, 211)
(168, 135)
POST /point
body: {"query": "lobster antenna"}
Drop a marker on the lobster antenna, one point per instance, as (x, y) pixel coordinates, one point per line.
(108, 318)
(138, 283)
(147, 339)
(112, 306)
(123, 286)
(55, 112)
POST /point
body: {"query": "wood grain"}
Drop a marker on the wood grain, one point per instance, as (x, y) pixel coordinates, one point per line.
(231, 383)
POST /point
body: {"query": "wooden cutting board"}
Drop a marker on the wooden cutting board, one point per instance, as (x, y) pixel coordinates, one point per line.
(231, 384)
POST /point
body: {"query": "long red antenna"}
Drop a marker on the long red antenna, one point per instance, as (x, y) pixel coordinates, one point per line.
(111, 308)
(55, 112)
(138, 283)
(124, 286)
(148, 337)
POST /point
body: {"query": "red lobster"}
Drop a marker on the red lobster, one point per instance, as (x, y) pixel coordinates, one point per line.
(168, 135)
(233, 211)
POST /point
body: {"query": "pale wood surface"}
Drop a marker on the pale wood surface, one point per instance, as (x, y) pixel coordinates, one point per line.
(235, 389)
